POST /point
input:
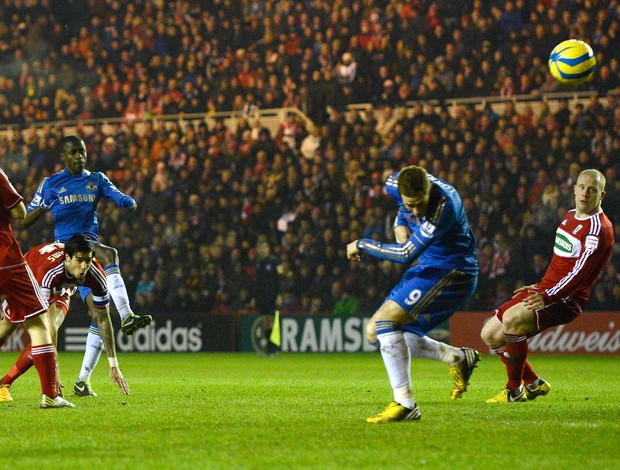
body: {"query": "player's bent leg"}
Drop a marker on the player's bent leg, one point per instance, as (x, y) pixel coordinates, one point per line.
(130, 322)
(44, 359)
(133, 323)
(493, 333)
(518, 321)
(462, 361)
(371, 333)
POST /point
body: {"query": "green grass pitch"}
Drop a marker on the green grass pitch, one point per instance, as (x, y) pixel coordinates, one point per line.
(223, 411)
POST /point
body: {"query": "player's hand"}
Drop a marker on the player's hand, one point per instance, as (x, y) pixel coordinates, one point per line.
(529, 288)
(134, 207)
(353, 252)
(118, 379)
(534, 301)
(49, 197)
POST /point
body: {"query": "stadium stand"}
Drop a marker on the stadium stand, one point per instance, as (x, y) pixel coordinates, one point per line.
(230, 120)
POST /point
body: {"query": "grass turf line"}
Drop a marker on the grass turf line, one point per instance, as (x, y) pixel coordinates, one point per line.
(213, 410)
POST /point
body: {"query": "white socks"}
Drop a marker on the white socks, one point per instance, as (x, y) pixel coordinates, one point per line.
(118, 291)
(427, 348)
(94, 346)
(397, 360)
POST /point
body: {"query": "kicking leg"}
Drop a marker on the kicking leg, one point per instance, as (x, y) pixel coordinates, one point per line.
(462, 361)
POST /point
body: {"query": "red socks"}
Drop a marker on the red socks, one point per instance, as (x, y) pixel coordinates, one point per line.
(529, 376)
(23, 363)
(516, 355)
(44, 359)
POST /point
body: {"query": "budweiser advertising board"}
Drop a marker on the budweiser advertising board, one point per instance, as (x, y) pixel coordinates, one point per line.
(591, 333)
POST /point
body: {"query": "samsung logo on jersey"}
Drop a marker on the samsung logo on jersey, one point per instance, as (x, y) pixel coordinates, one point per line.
(77, 198)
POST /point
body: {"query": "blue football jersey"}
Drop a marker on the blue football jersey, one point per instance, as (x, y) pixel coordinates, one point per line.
(441, 238)
(75, 209)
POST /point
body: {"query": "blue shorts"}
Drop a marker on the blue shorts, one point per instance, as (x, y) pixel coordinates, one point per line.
(430, 296)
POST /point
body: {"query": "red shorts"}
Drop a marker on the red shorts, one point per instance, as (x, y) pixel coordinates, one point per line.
(21, 290)
(62, 303)
(558, 313)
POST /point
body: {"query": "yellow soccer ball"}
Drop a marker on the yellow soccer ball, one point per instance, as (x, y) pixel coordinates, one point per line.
(572, 62)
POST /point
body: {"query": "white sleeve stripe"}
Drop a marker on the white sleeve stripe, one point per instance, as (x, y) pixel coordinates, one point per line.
(595, 228)
(99, 276)
(403, 251)
(569, 277)
(49, 276)
(41, 185)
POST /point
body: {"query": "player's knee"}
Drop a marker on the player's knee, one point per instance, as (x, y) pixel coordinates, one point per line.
(515, 321)
(107, 255)
(492, 333)
(488, 336)
(371, 332)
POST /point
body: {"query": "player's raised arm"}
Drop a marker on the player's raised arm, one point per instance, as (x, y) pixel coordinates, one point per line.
(110, 191)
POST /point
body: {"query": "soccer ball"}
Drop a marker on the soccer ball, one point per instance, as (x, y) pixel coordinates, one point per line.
(572, 62)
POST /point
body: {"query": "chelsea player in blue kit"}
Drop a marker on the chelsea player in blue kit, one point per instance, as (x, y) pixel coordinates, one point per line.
(432, 228)
(72, 196)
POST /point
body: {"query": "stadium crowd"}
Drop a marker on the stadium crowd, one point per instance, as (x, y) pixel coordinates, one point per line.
(208, 193)
(67, 59)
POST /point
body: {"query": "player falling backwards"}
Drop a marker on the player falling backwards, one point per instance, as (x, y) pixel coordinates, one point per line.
(583, 244)
(72, 196)
(432, 228)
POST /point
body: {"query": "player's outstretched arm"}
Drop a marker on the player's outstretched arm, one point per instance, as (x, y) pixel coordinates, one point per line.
(117, 377)
(43, 200)
(108, 190)
(32, 217)
(102, 317)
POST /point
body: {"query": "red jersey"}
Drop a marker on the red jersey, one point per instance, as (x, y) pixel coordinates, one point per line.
(48, 265)
(582, 248)
(10, 253)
